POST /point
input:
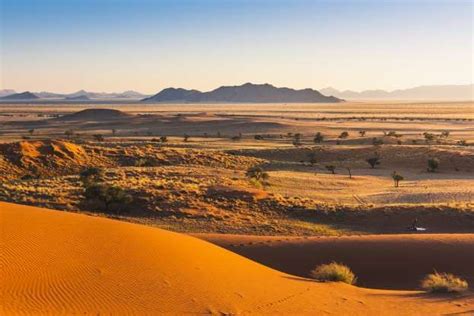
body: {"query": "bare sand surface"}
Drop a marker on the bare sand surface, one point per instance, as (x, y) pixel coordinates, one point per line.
(379, 261)
(63, 263)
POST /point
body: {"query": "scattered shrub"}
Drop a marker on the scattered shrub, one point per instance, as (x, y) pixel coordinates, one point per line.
(108, 197)
(163, 139)
(433, 164)
(257, 176)
(344, 135)
(258, 137)
(362, 133)
(186, 137)
(318, 138)
(443, 283)
(333, 272)
(98, 137)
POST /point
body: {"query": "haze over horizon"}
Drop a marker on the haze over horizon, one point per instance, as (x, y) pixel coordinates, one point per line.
(145, 45)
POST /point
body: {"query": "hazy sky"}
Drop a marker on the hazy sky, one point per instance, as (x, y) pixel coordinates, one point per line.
(116, 45)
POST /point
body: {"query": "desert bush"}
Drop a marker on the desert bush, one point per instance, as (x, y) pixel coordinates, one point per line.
(462, 142)
(236, 138)
(373, 161)
(297, 139)
(31, 131)
(257, 176)
(397, 178)
(376, 141)
(98, 137)
(258, 137)
(433, 164)
(312, 158)
(163, 139)
(107, 197)
(333, 272)
(344, 134)
(429, 136)
(186, 137)
(445, 134)
(91, 175)
(443, 283)
(318, 138)
(362, 133)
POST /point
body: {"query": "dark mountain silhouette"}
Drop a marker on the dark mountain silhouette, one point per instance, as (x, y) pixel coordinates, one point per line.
(247, 93)
(27, 95)
(172, 95)
(438, 92)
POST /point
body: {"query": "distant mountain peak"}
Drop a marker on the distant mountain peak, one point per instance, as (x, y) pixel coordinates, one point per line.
(27, 95)
(245, 93)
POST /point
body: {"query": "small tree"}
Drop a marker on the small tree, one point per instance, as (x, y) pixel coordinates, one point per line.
(445, 134)
(362, 133)
(344, 134)
(31, 131)
(318, 138)
(349, 171)
(433, 164)
(186, 138)
(312, 158)
(396, 178)
(163, 139)
(373, 161)
(331, 168)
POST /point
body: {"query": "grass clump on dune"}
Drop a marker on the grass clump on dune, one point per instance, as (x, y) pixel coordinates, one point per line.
(443, 283)
(334, 272)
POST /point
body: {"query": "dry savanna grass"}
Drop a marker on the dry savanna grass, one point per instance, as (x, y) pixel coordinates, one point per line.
(334, 272)
(443, 283)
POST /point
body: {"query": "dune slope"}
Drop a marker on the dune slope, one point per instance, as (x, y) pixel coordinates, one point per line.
(54, 262)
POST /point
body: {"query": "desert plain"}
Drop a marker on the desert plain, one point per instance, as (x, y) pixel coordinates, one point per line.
(272, 190)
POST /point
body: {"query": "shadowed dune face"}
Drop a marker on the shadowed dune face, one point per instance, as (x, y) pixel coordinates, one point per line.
(62, 263)
(389, 261)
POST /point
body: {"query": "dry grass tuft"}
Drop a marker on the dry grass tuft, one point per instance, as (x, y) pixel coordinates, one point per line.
(443, 283)
(334, 272)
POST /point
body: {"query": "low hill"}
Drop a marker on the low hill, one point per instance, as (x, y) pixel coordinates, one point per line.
(64, 263)
(20, 96)
(95, 115)
(247, 93)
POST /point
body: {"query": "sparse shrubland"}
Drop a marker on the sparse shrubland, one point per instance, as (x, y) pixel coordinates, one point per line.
(443, 283)
(333, 272)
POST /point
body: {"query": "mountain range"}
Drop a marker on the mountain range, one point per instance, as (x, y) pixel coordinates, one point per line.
(246, 93)
(435, 92)
(9, 94)
(255, 93)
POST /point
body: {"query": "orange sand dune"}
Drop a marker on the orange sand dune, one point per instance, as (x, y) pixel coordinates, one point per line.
(63, 263)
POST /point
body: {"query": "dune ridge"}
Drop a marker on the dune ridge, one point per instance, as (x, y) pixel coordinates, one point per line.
(63, 263)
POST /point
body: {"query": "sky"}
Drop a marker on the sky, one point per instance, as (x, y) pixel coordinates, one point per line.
(145, 45)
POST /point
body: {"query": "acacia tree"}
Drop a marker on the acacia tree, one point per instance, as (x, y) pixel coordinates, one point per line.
(396, 178)
(258, 175)
(373, 161)
(318, 138)
(331, 168)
